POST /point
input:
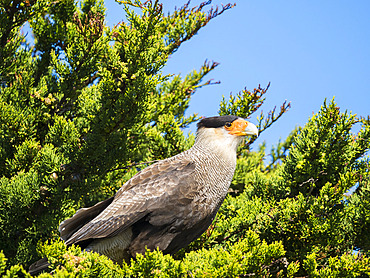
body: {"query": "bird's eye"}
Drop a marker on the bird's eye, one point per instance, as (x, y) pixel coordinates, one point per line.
(228, 125)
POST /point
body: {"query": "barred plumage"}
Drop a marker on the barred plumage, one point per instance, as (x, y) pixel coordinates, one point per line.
(168, 204)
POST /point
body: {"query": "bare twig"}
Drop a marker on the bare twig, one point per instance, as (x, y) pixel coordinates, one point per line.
(132, 165)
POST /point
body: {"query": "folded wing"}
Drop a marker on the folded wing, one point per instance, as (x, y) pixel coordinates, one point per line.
(146, 193)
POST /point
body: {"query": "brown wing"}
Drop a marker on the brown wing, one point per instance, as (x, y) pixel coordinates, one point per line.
(84, 215)
(143, 194)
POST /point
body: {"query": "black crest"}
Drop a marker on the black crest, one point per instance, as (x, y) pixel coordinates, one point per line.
(216, 121)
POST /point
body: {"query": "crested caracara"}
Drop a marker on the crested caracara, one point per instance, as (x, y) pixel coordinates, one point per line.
(168, 204)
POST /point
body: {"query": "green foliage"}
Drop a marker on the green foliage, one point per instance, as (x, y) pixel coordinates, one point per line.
(249, 255)
(325, 150)
(347, 265)
(245, 103)
(85, 106)
(13, 271)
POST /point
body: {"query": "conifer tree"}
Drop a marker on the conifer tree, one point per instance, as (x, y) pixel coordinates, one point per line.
(85, 106)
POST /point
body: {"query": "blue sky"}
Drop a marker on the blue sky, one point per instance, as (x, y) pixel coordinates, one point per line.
(308, 50)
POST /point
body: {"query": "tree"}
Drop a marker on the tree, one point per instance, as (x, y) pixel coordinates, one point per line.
(85, 106)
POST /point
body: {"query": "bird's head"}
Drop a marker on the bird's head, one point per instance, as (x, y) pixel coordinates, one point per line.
(224, 131)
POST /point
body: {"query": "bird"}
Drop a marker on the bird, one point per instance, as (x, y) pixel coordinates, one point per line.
(168, 204)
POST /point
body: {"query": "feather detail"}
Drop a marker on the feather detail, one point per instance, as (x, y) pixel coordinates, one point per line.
(84, 215)
(137, 198)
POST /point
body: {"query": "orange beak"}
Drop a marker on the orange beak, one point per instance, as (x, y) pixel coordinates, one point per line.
(241, 127)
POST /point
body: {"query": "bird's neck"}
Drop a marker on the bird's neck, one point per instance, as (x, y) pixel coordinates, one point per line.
(212, 142)
(217, 139)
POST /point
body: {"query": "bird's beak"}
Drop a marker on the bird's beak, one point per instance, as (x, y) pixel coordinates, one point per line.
(251, 129)
(241, 127)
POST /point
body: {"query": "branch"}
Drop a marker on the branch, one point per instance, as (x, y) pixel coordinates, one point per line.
(132, 165)
(271, 118)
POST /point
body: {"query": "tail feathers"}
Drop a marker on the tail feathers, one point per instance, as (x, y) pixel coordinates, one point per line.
(69, 226)
(39, 266)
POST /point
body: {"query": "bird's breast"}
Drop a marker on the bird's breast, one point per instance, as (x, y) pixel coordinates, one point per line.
(214, 173)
